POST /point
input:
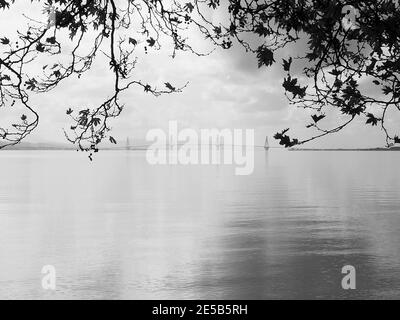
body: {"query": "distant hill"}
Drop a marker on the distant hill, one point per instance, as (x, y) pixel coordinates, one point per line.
(41, 146)
(67, 146)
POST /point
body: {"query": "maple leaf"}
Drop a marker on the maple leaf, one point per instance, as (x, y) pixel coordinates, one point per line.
(386, 90)
(335, 72)
(218, 30)
(151, 42)
(169, 86)
(112, 140)
(287, 64)
(96, 121)
(69, 111)
(51, 40)
(317, 118)
(292, 86)
(84, 112)
(4, 41)
(285, 139)
(40, 47)
(265, 56)
(371, 67)
(261, 30)
(4, 4)
(5, 77)
(372, 119)
(132, 41)
(189, 7)
(83, 121)
(31, 84)
(213, 4)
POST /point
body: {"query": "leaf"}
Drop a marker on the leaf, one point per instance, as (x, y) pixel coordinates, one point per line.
(261, 30)
(23, 117)
(132, 41)
(5, 77)
(218, 30)
(69, 111)
(31, 84)
(372, 119)
(51, 40)
(317, 118)
(285, 139)
(232, 29)
(338, 84)
(371, 67)
(5, 41)
(336, 72)
(96, 121)
(4, 4)
(189, 7)
(213, 3)
(265, 56)
(151, 42)
(83, 121)
(287, 64)
(40, 47)
(292, 86)
(57, 73)
(169, 86)
(112, 140)
(387, 90)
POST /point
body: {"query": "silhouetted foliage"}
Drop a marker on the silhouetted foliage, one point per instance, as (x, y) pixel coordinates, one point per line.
(346, 51)
(350, 61)
(104, 25)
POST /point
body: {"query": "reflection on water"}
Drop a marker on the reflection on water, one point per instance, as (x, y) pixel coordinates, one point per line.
(119, 228)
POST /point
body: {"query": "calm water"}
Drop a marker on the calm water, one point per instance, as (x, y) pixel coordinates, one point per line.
(119, 228)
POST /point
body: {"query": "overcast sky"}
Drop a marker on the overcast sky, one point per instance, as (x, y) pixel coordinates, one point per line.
(226, 90)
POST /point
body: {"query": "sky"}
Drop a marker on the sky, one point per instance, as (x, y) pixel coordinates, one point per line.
(226, 90)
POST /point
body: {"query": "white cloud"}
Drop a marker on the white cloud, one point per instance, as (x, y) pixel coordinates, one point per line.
(226, 89)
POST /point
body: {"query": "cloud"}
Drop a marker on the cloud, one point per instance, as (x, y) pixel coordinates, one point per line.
(226, 90)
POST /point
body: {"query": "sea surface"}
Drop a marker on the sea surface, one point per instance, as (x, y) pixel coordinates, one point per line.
(120, 228)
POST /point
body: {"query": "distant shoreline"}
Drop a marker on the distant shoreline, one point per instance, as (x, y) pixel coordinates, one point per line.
(354, 149)
(143, 147)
